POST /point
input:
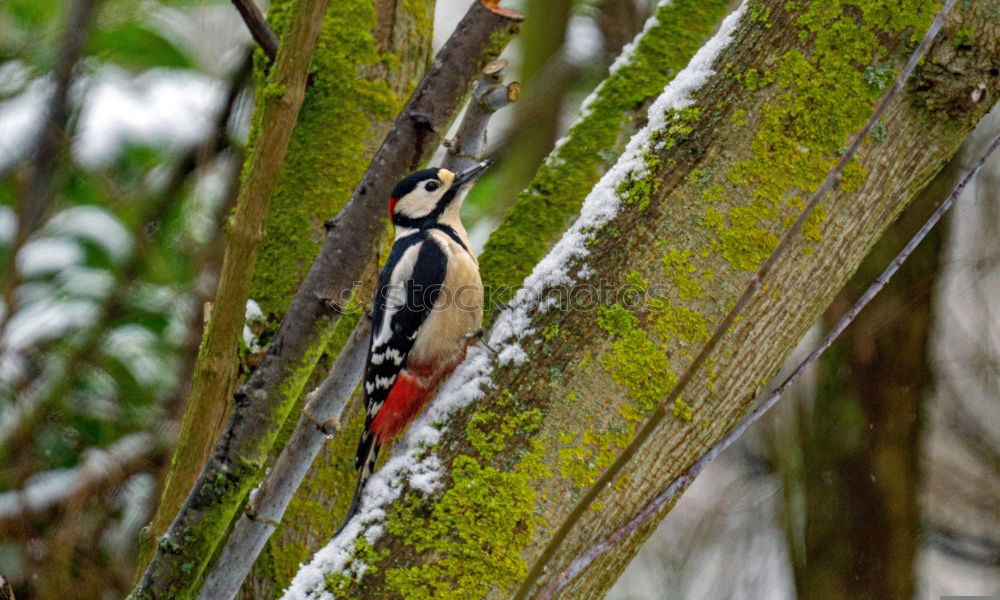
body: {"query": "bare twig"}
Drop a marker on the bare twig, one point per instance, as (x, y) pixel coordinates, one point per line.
(320, 419)
(259, 30)
(52, 135)
(755, 283)
(685, 478)
(489, 94)
(262, 404)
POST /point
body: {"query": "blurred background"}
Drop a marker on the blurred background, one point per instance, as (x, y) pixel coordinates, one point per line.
(877, 477)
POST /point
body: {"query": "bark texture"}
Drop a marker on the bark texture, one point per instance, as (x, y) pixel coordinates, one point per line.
(725, 178)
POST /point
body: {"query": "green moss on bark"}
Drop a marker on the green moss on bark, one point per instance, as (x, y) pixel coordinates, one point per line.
(355, 93)
(824, 95)
(543, 211)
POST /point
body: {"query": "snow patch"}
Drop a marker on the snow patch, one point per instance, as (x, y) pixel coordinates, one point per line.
(96, 225)
(253, 314)
(45, 320)
(48, 255)
(160, 107)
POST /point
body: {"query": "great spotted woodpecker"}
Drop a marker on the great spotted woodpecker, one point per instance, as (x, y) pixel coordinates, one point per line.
(428, 305)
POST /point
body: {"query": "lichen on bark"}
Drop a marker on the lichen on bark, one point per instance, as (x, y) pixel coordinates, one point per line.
(370, 58)
(713, 159)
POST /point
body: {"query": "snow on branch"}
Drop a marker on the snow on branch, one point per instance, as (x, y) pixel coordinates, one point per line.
(415, 465)
(100, 468)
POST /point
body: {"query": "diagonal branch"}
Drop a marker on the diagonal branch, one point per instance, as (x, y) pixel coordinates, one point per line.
(321, 417)
(688, 476)
(489, 94)
(263, 403)
(259, 30)
(832, 178)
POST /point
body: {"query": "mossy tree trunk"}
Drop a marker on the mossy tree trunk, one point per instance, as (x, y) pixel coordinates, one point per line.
(723, 179)
(371, 57)
(859, 472)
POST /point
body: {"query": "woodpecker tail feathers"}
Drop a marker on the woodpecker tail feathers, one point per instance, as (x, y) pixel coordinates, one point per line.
(366, 458)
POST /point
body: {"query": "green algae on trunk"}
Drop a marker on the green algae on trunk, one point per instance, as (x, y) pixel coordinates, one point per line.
(615, 111)
(664, 238)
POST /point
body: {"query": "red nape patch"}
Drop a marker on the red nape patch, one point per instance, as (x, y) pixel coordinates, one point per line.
(407, 397)
(392, 207)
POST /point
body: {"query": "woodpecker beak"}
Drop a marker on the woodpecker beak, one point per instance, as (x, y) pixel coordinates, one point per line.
(471, 174)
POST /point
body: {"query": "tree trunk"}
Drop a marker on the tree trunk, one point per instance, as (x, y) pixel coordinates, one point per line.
(342, 124)
(681, 222)
(352, 101)
(860, 472)
(210, 395)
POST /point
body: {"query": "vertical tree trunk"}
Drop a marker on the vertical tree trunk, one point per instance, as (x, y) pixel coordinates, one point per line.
(210, 397)
(369, 57)
(860, 474)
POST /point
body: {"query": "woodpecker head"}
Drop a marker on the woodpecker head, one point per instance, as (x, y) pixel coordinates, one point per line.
(423, 197)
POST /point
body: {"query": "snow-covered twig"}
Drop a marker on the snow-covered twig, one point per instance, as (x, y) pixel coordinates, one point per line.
(100, 468)
(755, 283)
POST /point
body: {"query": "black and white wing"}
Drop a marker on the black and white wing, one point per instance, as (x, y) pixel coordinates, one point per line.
(407, 288)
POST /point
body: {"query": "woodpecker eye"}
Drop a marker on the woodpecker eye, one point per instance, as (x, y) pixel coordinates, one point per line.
(432, 185)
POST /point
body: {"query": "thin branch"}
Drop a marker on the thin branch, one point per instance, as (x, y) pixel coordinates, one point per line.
(756, 282)
(320, 422)
(259, 30)
(262, 403)
(489, 94)
(321, 417)
(685, 478)
(52, 136)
